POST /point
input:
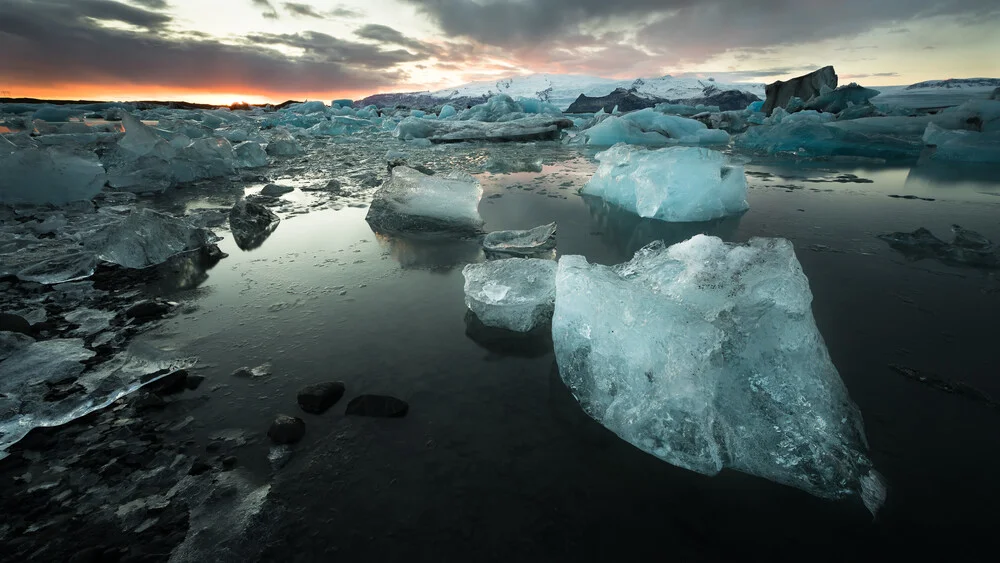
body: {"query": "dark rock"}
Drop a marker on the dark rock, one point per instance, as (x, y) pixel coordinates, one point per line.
(316, 399)
(214, 446)
(274, 190)
(14, 323)
(626, 100)
(88, 555)
(170, 384)
(145, 310)
(228, 463)
(286, 429)
(804, 87)
(251, 223)
(148, 400)
(377, 405)
(192, 382)
(199, 466)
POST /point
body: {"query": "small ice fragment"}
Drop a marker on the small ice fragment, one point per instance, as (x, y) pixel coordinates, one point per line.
(515, 294)
(411, 201)
(522, 243)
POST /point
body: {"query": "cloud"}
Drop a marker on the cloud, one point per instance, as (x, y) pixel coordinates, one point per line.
(63, 42)
(269, 11)
(304, 10)
(389, 36)
(685, 30)
(152, 4)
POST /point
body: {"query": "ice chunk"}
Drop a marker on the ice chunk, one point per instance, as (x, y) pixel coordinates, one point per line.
(969, 248)
(411, 201)
(283, 144)
(650, 127)
(48, 175)
(962, 145)
(251, 223)
(504, 164)
(521, 243)
(678, 184)
(307, 107)
(498, 108)
(515, 294)
(141, 139)
(836, 101)
(706, 355)
(447, 111)
(250, 155)
(828, 139)
(534, 128)
(89, 321)
(146, 238)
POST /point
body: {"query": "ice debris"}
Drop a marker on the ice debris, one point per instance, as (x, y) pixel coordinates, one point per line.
(413, 202)
(533, 128)
(678, 184)
(963, 145)
(515, 294)
(811, 139)
(968, 248)
(250, 154)
(48, 175)
(251, 223)
(146, 238)
(283, 144)
(521, 243)
(706, 355)
(838, 100)
(650, 127)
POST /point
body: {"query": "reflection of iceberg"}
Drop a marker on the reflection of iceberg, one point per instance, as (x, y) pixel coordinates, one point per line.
(627, 232)
(438, 255)
(706, 355)
(532, 344)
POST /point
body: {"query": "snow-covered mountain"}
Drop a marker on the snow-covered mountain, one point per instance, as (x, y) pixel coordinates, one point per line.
(563, 89)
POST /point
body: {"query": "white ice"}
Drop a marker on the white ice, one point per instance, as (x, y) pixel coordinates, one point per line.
(411, 201)
(515, 294)
(675, 184)
(706, 355)
(521, 243)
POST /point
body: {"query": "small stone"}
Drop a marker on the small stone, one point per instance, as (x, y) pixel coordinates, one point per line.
(274, 190)
(199, 466)
(377, 405)
(316, 399)
(192, 382)
(213, 446)
(14, 323)
(286, 429)
(170, 384)
(147, 310)
(228, 463)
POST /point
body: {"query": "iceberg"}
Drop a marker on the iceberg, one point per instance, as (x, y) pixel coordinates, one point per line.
(283, 144)
(649, 127)
(501, 108)
(414, 202)
(146, 238)
(677, 184)
(836, 101)
(251, 223)
(838, 138)
(516, 294)
(962, 145)
(534, 128)
(530, 242)
(250, 154)
(706, 355)
(53, 175)
(447, 111)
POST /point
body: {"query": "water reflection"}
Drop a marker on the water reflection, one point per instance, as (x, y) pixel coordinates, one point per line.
(970, 179)
(186, 271)
(503, 342)
(434, 254)
(627, 232)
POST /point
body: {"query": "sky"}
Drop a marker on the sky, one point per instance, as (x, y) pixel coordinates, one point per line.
(221, 51)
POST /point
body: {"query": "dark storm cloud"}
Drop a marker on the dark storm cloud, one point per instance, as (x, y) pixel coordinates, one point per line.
(390, 36)
(62, 42)
(690, 30)
(304, 10)
(269, 11)
(152, 4)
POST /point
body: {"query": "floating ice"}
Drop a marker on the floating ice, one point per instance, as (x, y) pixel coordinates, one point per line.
(534, 128)
(521, 243)
(47, 175)
(650, 127)
(836, 101)
(411, 201)
(969, 248)
(250, 155)
(678, 184)
(146, 238)
(706, 355)
(501, 164)
(828, 139)
(962, 145)
(515, 294)
(283, 144)
(447, 111)
(251, 223)
(498, 108)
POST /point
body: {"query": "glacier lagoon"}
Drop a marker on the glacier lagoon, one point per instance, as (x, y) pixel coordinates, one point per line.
(495, 454)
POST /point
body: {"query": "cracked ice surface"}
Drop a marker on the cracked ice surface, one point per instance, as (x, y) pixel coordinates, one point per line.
(706, 355)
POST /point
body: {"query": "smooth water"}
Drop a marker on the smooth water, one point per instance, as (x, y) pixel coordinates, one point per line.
(496, 461)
